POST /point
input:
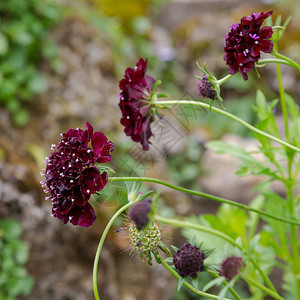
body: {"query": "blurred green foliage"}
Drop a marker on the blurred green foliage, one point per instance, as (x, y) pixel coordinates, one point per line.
(184, 168)
(14, 278)
(23, 42)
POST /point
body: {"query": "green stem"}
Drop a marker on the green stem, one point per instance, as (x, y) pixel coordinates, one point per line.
(291, 62)
(224, 79)
(290, 180)
(261, 287)
(231, 290)
(208, 196)
(272, 60)
(100, 245)
(178, 223)
(175, 274)
(224, 113)
(294, 233)
(282, 101)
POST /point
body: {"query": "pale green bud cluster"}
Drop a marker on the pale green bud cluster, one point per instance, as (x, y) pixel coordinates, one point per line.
(146, 240)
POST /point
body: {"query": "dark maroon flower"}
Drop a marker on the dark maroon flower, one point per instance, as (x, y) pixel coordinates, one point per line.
(189, 260)
(205, 88)
(230, 267)
(245, 41)
(136, 90)
(139, 213)
(71, 175)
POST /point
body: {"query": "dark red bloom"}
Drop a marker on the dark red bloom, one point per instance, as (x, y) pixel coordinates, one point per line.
(230, 267)
(71, 175)
(139, 213)
(189, 260)
(205, 88)
(136, 90)
(245, 41)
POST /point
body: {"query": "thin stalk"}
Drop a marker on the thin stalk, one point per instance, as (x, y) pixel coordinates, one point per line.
(282, 101)
(231, 290)
(224, 113)
(294, 234)
(208, 196)
(183, 224)
(290, 180)
(224, 79)
(100, 245)
(291, 62)
(262, 62)
(261, 287)
(189, 286)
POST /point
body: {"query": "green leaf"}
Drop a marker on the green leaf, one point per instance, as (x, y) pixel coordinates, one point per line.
(169, 260)
(162, 95)
(223, 292)
(4, 47)
(174, 248)
(21, 251)
(193, 241)
(275, 205)
(195, 283)
(20, 118)
(249, 164)
(216, 281)
(180, 283)
(253, 244)
(37, 84)
(12, 229)
(208, 252)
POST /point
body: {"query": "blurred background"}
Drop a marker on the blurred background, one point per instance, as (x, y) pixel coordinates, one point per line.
(60, 63)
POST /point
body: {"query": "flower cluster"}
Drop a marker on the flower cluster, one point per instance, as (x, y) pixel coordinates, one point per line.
(136, 90)
(189, 260)
(245, 41)
(139, 213)
(205, 88)
(230, 267)
(71, 175)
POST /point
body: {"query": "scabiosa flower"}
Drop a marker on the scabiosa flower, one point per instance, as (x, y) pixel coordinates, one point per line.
(245, 41)
(71, 175)
(139, 213)
(189, 260)
(205, 88)
(230, 267)
(136, 89)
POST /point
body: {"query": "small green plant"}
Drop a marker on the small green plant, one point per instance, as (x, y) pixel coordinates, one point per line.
(23, 42)
(14, 278)
(230, 246)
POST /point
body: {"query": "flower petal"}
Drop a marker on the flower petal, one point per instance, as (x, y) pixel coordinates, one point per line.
(267, 46)
(83, 216)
